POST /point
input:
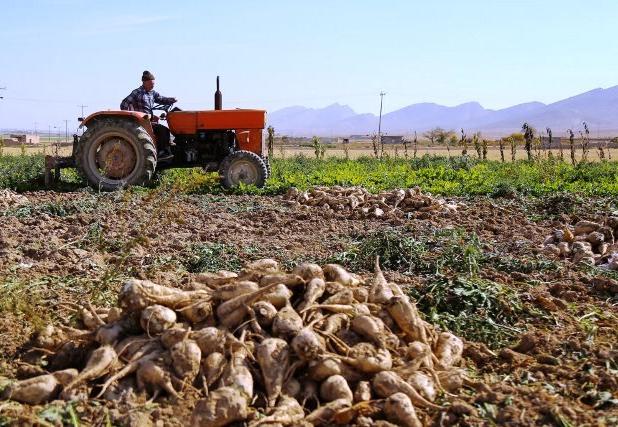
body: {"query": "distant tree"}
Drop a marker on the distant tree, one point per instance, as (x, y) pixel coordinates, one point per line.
(601, 152)
(443, 137)
(614, 141)
(271, 141)
(528, 138)
(606, 147)
(549, 142)
(538, 145)
(433, 134)
(374, 144)
(318, 148)
(485, 144)
(476, 142)
(453, 140)
(572, 145)
(415, 144)
(585, 141)
(405, 142)
(515, 139)
(501, 143)
(346, 148)
(463, 141)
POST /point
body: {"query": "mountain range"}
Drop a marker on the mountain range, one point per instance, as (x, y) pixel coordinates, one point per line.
(598, 108)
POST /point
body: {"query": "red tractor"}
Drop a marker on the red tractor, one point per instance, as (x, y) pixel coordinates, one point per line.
(119, 148)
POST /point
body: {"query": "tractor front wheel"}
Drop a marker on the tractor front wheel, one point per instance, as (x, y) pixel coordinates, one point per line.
(243, 167)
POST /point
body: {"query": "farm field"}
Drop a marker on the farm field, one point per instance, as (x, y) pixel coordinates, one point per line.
(355, 151)
(539, 327)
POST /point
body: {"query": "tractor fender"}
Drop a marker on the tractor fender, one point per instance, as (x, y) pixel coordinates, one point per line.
(142, 118)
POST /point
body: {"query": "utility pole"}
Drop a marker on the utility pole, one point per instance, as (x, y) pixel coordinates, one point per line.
(380, 121)
(2, 88)
(66, 131)
(82, 107)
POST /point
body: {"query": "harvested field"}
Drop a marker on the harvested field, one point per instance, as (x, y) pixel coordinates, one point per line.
(539, 331)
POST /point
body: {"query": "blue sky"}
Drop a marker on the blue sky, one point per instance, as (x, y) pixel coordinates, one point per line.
(56, 55)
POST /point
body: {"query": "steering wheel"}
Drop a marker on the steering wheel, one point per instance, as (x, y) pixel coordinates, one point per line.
(163, 107)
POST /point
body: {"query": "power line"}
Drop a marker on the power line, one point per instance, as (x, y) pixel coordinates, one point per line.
(82, 107)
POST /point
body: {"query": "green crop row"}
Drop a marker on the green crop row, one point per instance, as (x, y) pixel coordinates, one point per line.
(439, 175)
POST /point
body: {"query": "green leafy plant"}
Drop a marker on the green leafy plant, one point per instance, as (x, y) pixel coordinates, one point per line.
(211, 257)
(475, 308)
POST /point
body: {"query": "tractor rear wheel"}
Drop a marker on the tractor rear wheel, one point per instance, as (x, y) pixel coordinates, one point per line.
(243, 167)
(269, 169)
(115, 153)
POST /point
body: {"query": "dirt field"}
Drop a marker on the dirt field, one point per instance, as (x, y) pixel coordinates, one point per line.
(60, 250)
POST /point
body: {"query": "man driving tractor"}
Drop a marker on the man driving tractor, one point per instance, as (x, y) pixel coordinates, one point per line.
(122, 148)
(143, 99)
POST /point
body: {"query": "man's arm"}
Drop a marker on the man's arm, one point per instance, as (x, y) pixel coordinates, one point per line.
(129, 102)
(164, 100)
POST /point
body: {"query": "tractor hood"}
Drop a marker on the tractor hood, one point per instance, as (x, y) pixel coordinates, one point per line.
(189, 122)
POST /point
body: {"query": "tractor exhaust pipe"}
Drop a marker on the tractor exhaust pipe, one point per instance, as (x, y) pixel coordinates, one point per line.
(218, 97)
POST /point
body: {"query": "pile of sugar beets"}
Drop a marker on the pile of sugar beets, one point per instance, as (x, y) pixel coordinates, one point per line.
(360, 203)
(586, 242)
(317, 346)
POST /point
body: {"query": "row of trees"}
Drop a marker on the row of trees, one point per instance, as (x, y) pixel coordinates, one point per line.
(535, 144)
(450, 139)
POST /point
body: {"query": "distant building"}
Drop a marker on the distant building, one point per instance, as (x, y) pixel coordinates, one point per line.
(27, 139)
(9, 141)
(392, 139)
(556, 142)
(360, 137)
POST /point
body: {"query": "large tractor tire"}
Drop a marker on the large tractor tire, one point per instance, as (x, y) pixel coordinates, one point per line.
(243, 167)
(269, 169)
(116, 153)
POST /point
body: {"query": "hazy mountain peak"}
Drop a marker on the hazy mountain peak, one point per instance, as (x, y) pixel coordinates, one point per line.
(598, 107)
(471, 104)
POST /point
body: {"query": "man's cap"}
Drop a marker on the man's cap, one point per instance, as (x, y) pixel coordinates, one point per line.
(147, 75)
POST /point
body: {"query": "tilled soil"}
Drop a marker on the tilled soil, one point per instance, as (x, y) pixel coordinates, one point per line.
(60, 250)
